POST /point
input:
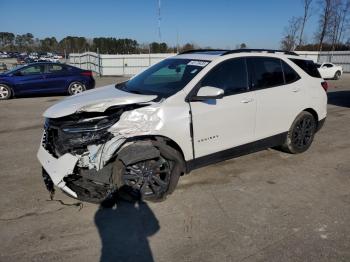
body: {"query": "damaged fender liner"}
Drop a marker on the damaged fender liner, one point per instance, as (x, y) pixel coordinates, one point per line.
(138, 152)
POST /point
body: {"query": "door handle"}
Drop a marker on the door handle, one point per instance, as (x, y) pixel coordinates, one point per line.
(247, 100)
(296, 90)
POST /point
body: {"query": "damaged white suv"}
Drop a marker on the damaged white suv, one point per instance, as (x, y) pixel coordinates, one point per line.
(188, 111)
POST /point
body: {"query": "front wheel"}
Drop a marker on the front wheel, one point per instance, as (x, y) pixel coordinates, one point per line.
(301, 134)
(5, 92)
(150, 179)
(76, 88)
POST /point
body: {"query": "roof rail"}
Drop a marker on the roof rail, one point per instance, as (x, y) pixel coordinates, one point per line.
(203, 50)
(260, 50)
(243, 50)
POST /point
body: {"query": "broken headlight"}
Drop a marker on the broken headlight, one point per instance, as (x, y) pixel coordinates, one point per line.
(73, 135)
(89, 125)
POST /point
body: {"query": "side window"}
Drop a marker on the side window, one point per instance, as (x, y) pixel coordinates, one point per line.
(266, 72)
(231, 76)
(328, 65)
(55, 68)
(32, 70)
(308, 66)
(290, 75)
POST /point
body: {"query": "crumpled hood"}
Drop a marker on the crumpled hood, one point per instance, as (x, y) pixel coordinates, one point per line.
(96, 100)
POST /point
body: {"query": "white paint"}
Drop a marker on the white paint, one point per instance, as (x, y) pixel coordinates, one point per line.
(96, 100)
(328, 70)
(58, 168)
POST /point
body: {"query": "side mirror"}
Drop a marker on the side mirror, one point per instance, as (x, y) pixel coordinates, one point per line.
(208, 92)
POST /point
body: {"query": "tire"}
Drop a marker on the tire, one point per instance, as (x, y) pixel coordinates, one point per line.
(337, 75)
(150, 180)
(5, 92)
(300, 134)
(76, 88)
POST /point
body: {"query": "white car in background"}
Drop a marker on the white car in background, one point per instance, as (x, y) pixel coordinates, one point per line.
(330, 71)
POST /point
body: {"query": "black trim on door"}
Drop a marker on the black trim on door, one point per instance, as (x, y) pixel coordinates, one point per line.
(245, 149)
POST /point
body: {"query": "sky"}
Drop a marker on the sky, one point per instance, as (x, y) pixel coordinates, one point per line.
(214, 23)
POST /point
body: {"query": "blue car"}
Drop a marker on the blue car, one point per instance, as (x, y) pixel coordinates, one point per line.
(44, 78)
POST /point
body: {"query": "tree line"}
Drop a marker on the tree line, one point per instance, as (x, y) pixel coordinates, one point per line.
(71, 44)
(332, 30)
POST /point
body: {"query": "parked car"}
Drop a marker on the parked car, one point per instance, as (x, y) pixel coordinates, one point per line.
(330, 71)
(197, 108)
(44, 78)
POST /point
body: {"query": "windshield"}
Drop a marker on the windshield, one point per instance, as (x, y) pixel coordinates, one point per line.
(165, 78)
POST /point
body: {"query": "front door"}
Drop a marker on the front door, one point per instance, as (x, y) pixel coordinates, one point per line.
(227, 122)
(30, 79)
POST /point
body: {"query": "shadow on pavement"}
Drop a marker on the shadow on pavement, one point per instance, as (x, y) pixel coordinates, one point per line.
(339, 98)
(124, 230)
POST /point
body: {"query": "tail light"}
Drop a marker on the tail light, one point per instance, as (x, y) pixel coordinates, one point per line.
(325, 86)
(86, 73)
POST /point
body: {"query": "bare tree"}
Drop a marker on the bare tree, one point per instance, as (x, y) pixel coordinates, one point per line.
(344, 21)
(324, 22)
(291, 32)
(306, 16)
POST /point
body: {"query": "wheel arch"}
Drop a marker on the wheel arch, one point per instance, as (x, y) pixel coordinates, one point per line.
(313, 113)
(157, 138)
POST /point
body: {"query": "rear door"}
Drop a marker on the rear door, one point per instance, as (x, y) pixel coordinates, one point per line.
(279, 95)
(220, 124)
(30, 79)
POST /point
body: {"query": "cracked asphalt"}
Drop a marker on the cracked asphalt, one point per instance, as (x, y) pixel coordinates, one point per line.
(267, 206)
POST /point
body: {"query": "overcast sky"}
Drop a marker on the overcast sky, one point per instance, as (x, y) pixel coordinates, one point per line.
(215, 23)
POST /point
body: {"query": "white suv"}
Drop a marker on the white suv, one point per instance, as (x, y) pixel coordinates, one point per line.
(197, 108)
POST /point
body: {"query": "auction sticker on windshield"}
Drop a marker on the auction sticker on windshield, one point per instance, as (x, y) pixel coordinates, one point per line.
(198, 63)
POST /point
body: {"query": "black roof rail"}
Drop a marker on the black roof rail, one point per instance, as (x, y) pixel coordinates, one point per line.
(243, 50)
(203, 50)
(260, 50)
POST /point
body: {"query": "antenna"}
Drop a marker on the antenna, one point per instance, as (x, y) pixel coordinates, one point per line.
(159, 19)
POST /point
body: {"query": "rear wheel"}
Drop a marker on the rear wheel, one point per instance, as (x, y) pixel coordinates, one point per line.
(301, 134)
(337, 75)
(5, 92)
(76, 88)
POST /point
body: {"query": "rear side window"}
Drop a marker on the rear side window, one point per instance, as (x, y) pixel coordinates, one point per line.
(290, 75)
(308, 66)
(265, 72)
(230, 75)
(55, 68)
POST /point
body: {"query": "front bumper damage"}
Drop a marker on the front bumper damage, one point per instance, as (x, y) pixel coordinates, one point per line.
(79, 167)
(58, 168)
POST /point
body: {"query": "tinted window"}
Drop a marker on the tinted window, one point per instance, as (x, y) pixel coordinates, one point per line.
(266, 72)
(290, 75)
(32, 70)
(308, 66)
(231, 76)
(328, 65)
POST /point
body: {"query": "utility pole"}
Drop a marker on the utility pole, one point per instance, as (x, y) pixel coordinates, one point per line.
(159, 20)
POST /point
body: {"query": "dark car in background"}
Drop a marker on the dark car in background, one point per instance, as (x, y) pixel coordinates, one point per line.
(44, 78)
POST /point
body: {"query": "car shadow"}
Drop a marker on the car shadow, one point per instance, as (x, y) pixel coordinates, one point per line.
(124, 230)
(339, 98)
